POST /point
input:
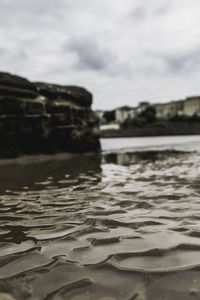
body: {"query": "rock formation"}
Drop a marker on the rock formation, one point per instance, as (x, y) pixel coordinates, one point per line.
(45, 118)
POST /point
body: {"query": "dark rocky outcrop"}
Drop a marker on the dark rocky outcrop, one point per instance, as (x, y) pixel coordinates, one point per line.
(45, 118)
(72, 94)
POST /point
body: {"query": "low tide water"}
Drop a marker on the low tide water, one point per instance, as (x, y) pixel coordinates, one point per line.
(124, 225)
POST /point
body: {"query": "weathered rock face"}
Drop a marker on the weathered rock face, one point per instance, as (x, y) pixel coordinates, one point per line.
(45, 118)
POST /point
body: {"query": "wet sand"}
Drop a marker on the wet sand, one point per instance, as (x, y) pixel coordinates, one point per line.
(123, 227)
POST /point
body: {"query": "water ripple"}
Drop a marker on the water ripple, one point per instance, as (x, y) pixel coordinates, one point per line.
(75, 229)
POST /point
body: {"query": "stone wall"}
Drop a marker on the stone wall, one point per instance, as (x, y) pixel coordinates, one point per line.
(174, 128)
(45, 118)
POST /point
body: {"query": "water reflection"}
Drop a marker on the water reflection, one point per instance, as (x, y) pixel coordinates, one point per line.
(128, 158)
(38, 172)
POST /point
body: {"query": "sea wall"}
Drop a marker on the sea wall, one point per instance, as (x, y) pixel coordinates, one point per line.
(175, 128)
(45, 118)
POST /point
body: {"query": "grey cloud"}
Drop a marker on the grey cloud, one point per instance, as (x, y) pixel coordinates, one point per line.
(31, 13)
(32, 6)
(16, 54)
(163, 9)
(183, 62)
(90, 55)
(139, 13)
(2, 51)
(104, 46)
(143, 10)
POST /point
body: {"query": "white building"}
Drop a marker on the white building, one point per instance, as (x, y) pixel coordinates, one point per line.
(124, 113)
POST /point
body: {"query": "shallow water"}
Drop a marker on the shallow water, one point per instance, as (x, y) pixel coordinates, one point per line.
(122, 226)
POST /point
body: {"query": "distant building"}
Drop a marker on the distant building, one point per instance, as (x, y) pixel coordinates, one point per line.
(126, 112)
(170, 109)
(188, 107)
(123, 113)
(192, 106)
(141, 107)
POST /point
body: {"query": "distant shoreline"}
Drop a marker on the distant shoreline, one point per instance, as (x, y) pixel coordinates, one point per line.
(174, 129)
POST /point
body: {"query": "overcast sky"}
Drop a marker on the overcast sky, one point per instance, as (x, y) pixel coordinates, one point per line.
(123, 51)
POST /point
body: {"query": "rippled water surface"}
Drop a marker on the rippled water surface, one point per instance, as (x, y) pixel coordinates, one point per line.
(122, 226)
